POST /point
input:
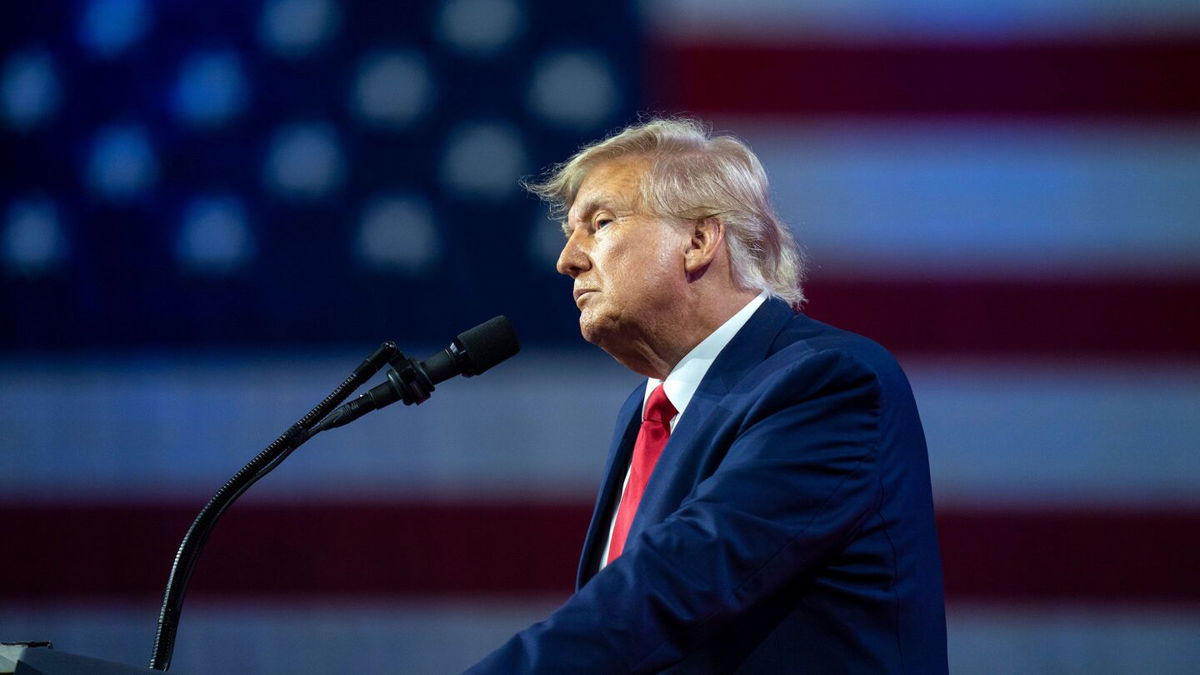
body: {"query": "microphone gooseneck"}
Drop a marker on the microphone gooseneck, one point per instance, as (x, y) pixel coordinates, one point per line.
(193, 542)
(471, 353)
(409, 380)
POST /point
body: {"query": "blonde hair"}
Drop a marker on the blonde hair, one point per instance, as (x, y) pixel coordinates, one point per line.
(694, 176)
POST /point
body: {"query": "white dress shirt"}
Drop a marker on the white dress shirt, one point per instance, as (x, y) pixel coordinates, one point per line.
(684, 379)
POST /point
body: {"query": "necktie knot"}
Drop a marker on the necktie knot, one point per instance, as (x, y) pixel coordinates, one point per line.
(658, 407)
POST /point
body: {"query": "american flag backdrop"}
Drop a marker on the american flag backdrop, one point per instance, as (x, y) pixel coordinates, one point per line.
(211, 212)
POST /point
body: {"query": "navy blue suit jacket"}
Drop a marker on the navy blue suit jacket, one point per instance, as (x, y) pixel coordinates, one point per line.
(788, 526)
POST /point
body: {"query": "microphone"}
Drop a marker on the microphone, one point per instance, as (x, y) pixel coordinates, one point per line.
(471, 353)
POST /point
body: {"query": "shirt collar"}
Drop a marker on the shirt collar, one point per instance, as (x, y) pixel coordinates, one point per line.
(685, 377)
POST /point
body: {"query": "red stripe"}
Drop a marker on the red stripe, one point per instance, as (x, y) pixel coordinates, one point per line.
(328, 549)
(1084, 317)
(66, 553)
(1084, 78)
(1072, 554)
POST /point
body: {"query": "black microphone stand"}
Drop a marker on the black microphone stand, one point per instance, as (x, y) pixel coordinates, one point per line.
(410, 381)
(261, 465)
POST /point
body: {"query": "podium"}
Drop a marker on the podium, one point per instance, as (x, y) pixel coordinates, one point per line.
(38, 658)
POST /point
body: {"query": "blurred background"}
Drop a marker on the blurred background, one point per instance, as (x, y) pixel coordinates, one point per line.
(211, 212)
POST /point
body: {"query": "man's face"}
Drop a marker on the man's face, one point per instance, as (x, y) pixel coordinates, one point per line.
(627, 265)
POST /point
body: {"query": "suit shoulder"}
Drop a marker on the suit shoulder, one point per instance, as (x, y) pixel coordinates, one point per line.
(811, 345)
(804, 335)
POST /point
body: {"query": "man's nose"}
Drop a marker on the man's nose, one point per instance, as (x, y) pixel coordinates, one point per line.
(573, 260)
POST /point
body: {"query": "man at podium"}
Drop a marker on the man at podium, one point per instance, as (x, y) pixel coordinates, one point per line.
(766, 505)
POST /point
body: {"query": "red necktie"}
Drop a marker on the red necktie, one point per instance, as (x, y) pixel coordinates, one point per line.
(651, 438)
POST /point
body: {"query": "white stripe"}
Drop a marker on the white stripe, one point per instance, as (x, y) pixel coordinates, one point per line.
(985, 199)
(179, 427)
(409, 637)
(300, 637)
(1069, 640)
(1060, 432)
(914, 20)
(539, 427)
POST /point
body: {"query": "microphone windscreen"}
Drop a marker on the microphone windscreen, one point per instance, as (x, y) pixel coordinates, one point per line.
(489, 343)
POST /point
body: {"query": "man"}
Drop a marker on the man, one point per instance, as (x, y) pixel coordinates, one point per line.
(767, 505)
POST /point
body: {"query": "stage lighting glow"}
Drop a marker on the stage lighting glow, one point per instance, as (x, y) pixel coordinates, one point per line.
(29, 89)
(294, 28)
(122, 164)
(109, 27)
(480, 27)
(214, 237)
(484, 160)
(393, 89)
(573, 89)
(398, 234)
(33, 239)
(210, 88)
(305, 161)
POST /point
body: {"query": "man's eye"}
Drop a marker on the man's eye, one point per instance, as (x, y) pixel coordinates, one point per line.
(601, 222)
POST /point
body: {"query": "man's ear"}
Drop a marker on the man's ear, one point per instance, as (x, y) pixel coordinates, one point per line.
(707, 238)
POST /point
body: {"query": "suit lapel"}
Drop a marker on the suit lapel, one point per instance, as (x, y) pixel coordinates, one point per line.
(687, 444)
(624, 436)
(747, 349)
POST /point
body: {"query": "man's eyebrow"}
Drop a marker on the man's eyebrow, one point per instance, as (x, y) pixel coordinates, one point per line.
(605, 201)
(591, 206)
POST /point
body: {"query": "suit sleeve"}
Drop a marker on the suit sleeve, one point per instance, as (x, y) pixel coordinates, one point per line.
(796, 484)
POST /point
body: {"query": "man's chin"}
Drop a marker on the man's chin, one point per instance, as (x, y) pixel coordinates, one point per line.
(594, 328)
(589, 331)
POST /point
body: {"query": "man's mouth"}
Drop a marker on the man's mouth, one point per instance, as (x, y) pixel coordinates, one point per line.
(579, 293)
